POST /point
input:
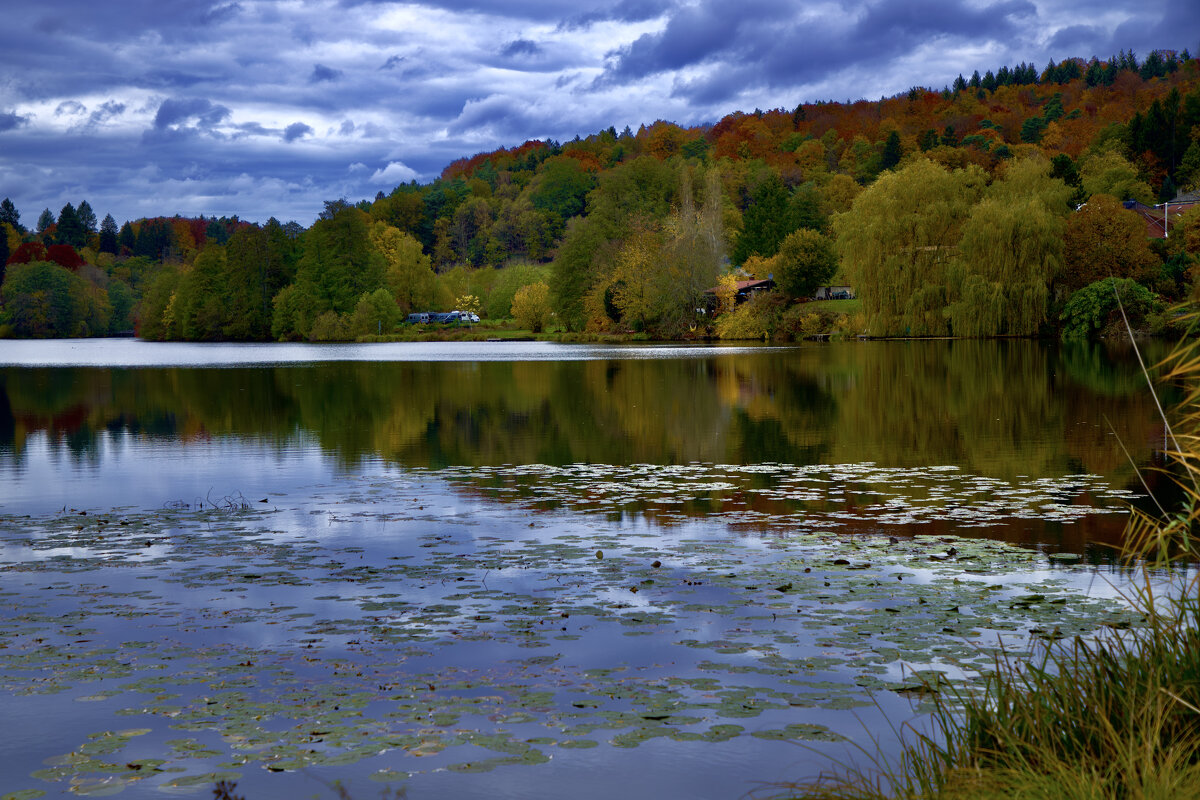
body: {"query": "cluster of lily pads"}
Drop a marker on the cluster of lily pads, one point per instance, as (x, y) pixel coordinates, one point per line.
(814, 495)
(397, 627)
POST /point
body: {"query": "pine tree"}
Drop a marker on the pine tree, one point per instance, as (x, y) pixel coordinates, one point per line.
(9, 214)
(87, 217)
(127, 238)
(892, 151)
(108, 235)
(70, 229)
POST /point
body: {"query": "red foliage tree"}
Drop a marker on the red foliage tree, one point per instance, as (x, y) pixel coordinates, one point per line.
(65, 256)
(28, 252)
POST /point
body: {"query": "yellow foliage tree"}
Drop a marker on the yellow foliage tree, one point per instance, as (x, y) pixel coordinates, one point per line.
(531, 306)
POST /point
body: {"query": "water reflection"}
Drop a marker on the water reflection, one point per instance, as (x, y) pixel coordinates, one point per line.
(1011, 410)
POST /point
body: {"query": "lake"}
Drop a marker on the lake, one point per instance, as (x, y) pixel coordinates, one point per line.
(527, 569)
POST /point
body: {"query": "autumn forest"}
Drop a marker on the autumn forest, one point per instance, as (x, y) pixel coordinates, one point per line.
(1020, 202)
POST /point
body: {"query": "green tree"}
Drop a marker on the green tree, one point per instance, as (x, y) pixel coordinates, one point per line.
(70, 229)
(640, 287)
(127, 238)
(896, 242)
(202, 307)
(561, 189)
(892, 151)
(575, 270)
(252, 275)
(408, 273)
(45, 220)
(1110, 173)
(155, 240)
(43, 300)
(339, 262)
(806, 260)
(156, 314)
(122, 301)
(765, 222)
(1010, 253)
(499, 299)
(1032, 129)
(295, 309)
(1097, 308)
(87, 218)
(375, 313)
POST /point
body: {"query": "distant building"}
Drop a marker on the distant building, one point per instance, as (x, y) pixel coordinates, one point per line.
(745, 290)
(1162, 218)
(834, 293)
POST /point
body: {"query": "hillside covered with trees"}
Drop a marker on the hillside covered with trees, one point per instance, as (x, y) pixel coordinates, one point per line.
(999, 205)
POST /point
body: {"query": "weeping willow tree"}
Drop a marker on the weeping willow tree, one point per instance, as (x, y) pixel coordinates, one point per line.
(1010, 252)
(896, 242)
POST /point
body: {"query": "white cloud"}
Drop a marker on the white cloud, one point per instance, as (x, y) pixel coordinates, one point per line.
(395, 172)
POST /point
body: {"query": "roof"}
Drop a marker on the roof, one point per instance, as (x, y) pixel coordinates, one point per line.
(1154, 215)
(746, 286)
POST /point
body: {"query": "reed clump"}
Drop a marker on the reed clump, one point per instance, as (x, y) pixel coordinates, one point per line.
(1117, 716)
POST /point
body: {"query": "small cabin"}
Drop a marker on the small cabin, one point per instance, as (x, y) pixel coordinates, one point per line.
(745, 290)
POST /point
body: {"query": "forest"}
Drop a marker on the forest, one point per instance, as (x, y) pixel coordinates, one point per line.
(1020, 202)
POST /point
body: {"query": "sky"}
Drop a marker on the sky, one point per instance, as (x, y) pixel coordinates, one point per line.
(261, 108)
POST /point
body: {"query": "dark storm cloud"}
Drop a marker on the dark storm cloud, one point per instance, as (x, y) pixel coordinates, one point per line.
(393, 62)
(520, 47)
(10, 120)
(500, 116)
(171, 79)
(123, 20)
(175, 111)
(760, 43)
(107, 111)
(520, 9)
(1077, 39)
(698, 34)
(297, 130)
(1146, 33)
(625, 11)
(247, 129)
(322, 74)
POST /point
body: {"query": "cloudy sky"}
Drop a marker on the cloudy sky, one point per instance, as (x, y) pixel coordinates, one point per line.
(266, 108)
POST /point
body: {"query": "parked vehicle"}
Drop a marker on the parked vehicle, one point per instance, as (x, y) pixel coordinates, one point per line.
(441, 317)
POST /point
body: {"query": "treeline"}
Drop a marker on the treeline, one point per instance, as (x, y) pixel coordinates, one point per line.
(947, 212)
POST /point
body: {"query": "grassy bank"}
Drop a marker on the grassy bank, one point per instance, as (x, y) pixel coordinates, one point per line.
(1117, 717)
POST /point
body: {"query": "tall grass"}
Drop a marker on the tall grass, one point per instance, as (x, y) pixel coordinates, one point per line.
(1113, 717)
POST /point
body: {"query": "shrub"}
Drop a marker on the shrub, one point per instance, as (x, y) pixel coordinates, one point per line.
(1096, 310)
(757, 318)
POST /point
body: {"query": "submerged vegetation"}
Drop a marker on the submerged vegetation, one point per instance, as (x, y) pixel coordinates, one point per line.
(947, 212)
(1114, 716)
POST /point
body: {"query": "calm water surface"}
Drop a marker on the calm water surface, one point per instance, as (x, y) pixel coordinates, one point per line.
(519, 569)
